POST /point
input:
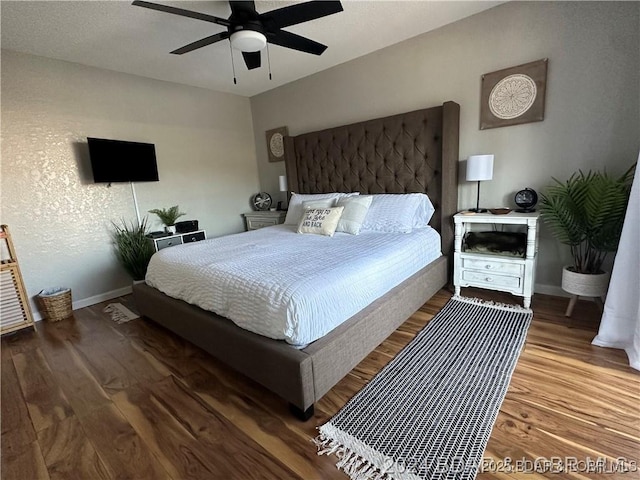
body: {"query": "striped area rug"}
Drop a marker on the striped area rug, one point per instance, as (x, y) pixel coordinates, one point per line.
(428, 414)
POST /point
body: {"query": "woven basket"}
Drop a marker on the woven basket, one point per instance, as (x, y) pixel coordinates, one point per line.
(56, 305)
(585, 285)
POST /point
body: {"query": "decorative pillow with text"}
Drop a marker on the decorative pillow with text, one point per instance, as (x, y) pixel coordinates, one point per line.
(295, 204)
(325, 203)
(320, 221)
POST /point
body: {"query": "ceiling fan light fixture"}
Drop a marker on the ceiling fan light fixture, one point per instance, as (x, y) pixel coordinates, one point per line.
(248, 41)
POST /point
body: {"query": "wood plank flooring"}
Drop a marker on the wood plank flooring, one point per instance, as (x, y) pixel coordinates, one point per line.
(87, 398)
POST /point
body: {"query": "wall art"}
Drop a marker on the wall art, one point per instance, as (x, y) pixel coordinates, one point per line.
(275, 143)
(513, 96)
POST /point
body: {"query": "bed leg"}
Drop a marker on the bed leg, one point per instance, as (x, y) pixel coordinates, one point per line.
(300, 414)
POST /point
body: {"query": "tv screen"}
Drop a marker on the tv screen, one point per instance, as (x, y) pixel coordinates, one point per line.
(120, 161)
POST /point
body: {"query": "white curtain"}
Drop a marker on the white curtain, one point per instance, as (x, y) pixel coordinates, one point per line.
(620, 325)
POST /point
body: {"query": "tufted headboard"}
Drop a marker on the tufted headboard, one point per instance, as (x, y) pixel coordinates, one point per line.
(410, 152)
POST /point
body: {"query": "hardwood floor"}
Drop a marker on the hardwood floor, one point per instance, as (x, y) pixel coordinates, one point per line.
(87, 398)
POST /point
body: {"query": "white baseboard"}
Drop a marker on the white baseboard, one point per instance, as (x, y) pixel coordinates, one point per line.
(85, 302)
(557, 291)
(550, 290)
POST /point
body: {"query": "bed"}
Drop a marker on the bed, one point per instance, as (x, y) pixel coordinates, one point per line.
(411, 152)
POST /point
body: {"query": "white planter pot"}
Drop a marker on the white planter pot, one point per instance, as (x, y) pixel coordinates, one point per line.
(585, 285)
(171, 229)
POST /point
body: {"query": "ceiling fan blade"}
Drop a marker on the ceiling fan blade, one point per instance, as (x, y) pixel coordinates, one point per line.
(182, 12)
(201, 43)
(252, 59)
(299, 13)
(296, 42)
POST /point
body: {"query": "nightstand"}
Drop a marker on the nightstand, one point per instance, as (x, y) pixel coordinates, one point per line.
(260, 219)
(177, 239)
(492, 268)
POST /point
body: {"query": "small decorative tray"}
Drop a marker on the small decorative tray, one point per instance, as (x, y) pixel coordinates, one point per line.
(500, 211)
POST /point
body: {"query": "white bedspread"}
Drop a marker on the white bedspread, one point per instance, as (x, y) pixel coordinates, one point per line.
(288, 286)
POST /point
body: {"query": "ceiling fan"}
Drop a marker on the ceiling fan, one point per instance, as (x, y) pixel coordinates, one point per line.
(250, 31)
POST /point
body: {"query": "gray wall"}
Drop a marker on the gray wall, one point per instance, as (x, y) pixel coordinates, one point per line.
(592, 114)
(60, 219)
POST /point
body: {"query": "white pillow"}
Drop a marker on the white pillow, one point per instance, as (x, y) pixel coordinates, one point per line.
(294, 211)
(398, 213)
(355, 211)
(322, 221)
(424, 212)
(324, 203)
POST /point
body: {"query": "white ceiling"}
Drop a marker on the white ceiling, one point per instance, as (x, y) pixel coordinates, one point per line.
(119, 36)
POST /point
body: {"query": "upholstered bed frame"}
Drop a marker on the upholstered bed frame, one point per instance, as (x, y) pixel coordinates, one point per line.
(410, 152)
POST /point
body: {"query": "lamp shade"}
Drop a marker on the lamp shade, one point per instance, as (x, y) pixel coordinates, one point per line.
(479, 167)
(282, 180)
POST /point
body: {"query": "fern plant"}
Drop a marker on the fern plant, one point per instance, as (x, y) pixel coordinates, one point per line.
(168, 216)
(133, 248)
(587, 213)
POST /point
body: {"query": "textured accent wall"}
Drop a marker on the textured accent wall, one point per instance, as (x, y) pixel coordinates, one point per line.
(60, 220)
(592, 116)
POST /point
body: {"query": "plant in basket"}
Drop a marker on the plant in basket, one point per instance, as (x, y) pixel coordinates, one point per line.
(586, 212)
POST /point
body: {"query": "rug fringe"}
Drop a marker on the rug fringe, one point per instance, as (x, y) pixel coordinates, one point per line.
(491, 304)
(119, 313)
(357, 460)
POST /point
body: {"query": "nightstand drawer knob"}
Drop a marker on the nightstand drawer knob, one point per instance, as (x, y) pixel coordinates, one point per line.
(487, 266)
(488, 279)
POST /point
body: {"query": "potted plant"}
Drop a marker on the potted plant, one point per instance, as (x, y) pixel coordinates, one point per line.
(168, 217)
(133, 248)
(587, 213)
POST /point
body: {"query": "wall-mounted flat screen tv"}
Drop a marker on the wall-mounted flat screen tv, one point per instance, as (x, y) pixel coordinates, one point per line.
(120, 161)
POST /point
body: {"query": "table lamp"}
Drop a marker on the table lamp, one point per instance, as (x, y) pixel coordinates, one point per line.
(479, 168)
(282, 182)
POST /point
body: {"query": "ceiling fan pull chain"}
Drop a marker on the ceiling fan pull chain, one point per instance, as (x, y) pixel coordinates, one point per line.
(233, 66)
(269, 61)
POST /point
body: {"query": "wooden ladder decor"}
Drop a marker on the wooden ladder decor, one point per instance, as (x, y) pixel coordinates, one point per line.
(15, 312)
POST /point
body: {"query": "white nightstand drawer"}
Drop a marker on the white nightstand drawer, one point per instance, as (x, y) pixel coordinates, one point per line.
(255, 220)
(488, 265)
(168, 242)
(489, 278)
(254, 224)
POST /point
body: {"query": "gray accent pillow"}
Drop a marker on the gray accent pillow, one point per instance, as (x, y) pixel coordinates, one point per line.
(355, 211)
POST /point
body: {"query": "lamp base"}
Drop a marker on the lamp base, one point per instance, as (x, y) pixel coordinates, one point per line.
(478, 210)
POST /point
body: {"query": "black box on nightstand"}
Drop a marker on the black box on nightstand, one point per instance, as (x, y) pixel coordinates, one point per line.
(187, 226)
